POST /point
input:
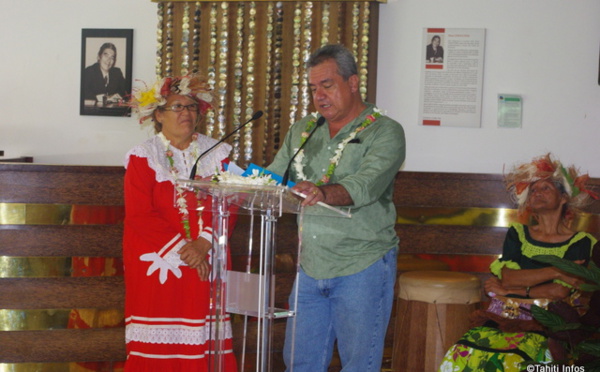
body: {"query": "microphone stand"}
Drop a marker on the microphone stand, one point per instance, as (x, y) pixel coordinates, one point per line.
(255, 116)
(286, 175)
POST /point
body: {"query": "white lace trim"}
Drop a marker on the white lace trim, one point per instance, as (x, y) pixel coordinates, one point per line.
(153, 149)
(175, 333)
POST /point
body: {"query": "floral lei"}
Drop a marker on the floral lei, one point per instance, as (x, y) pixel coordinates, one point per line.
(335, 159)
(181, 201)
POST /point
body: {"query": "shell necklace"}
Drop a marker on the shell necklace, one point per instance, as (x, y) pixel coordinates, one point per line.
(335, 159)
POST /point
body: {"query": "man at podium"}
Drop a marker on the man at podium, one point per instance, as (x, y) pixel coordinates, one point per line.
(349, 155)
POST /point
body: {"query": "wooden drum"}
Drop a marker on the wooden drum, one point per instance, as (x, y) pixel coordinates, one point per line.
(432, 314)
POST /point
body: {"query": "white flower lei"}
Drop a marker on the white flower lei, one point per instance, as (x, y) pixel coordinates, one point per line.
(335, 159)
(298, 167)
(181, 201)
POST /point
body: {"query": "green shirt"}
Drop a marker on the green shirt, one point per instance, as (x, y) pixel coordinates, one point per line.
(334, 246)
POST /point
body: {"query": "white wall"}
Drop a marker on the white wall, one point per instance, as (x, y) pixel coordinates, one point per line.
(40, 79)
(545, 50)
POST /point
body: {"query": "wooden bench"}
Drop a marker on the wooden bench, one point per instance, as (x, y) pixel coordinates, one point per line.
(21, 159)
(61, 230)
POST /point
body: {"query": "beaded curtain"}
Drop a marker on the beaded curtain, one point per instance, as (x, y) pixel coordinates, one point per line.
(253, 54)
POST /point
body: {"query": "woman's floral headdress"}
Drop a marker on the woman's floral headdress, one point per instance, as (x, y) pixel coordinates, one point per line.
(520, 178)
(145, 100)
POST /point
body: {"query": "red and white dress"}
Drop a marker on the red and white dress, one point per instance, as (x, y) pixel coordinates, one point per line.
(168, 327)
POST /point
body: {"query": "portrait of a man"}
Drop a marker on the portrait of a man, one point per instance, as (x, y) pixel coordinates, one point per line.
(106, 72)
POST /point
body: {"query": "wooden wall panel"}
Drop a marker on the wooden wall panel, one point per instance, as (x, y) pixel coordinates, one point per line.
(83, 240)
(77, 345)
(440, 239)
(35, 183)
(90, 229)
(62, 293)
(439, 218)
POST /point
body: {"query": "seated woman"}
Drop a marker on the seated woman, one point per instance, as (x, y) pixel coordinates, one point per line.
(505, 335)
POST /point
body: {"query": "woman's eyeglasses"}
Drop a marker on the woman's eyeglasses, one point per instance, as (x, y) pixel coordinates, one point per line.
(192, 107)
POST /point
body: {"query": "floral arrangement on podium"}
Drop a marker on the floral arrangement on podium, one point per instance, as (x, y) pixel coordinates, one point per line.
(253, 175)
(254, 178)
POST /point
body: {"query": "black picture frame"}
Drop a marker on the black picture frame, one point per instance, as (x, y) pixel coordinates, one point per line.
(106, 94)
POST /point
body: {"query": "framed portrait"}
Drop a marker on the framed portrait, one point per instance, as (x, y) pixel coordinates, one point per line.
(106, 60)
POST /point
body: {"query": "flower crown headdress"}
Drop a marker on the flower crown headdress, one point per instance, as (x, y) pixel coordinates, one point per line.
(521, 177)
(147, 99)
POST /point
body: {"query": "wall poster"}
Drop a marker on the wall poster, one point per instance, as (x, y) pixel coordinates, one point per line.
(451, 77)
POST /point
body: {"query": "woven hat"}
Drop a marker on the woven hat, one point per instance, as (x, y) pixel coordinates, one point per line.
(568, 180)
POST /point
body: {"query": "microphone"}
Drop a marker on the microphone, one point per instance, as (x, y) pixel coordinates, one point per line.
(255, 116)
(286, 175)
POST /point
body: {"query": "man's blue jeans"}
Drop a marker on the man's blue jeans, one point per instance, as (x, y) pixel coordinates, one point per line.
(354, 310)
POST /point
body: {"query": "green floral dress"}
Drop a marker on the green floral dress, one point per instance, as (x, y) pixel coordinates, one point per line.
(489, 349)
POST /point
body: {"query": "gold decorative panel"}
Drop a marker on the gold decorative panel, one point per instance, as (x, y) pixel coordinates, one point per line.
(48, 319)
(496, 217)
(41, 367)
(59, 267)
(490, 217)
(60, 214)
(254, 52)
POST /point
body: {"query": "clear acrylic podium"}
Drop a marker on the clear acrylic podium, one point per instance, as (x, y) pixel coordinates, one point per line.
(246, 293)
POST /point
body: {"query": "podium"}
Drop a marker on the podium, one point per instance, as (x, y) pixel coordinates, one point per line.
(247, 293)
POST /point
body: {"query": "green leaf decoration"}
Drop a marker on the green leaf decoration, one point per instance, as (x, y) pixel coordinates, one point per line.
(593, 267)
(571, 267)
(592, 366)
(590, 347)
(566, 326)
(574, 189)
(547, 318)
(589, 287)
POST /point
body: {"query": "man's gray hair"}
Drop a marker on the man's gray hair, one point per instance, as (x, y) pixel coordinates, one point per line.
(343, 57)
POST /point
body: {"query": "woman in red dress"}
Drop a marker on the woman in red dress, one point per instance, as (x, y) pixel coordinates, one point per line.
(167, 242)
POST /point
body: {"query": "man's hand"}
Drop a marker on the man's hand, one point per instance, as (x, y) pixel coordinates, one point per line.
(332, 194)
(313, 193)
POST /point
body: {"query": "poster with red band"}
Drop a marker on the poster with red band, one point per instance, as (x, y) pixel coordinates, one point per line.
(451, 77)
